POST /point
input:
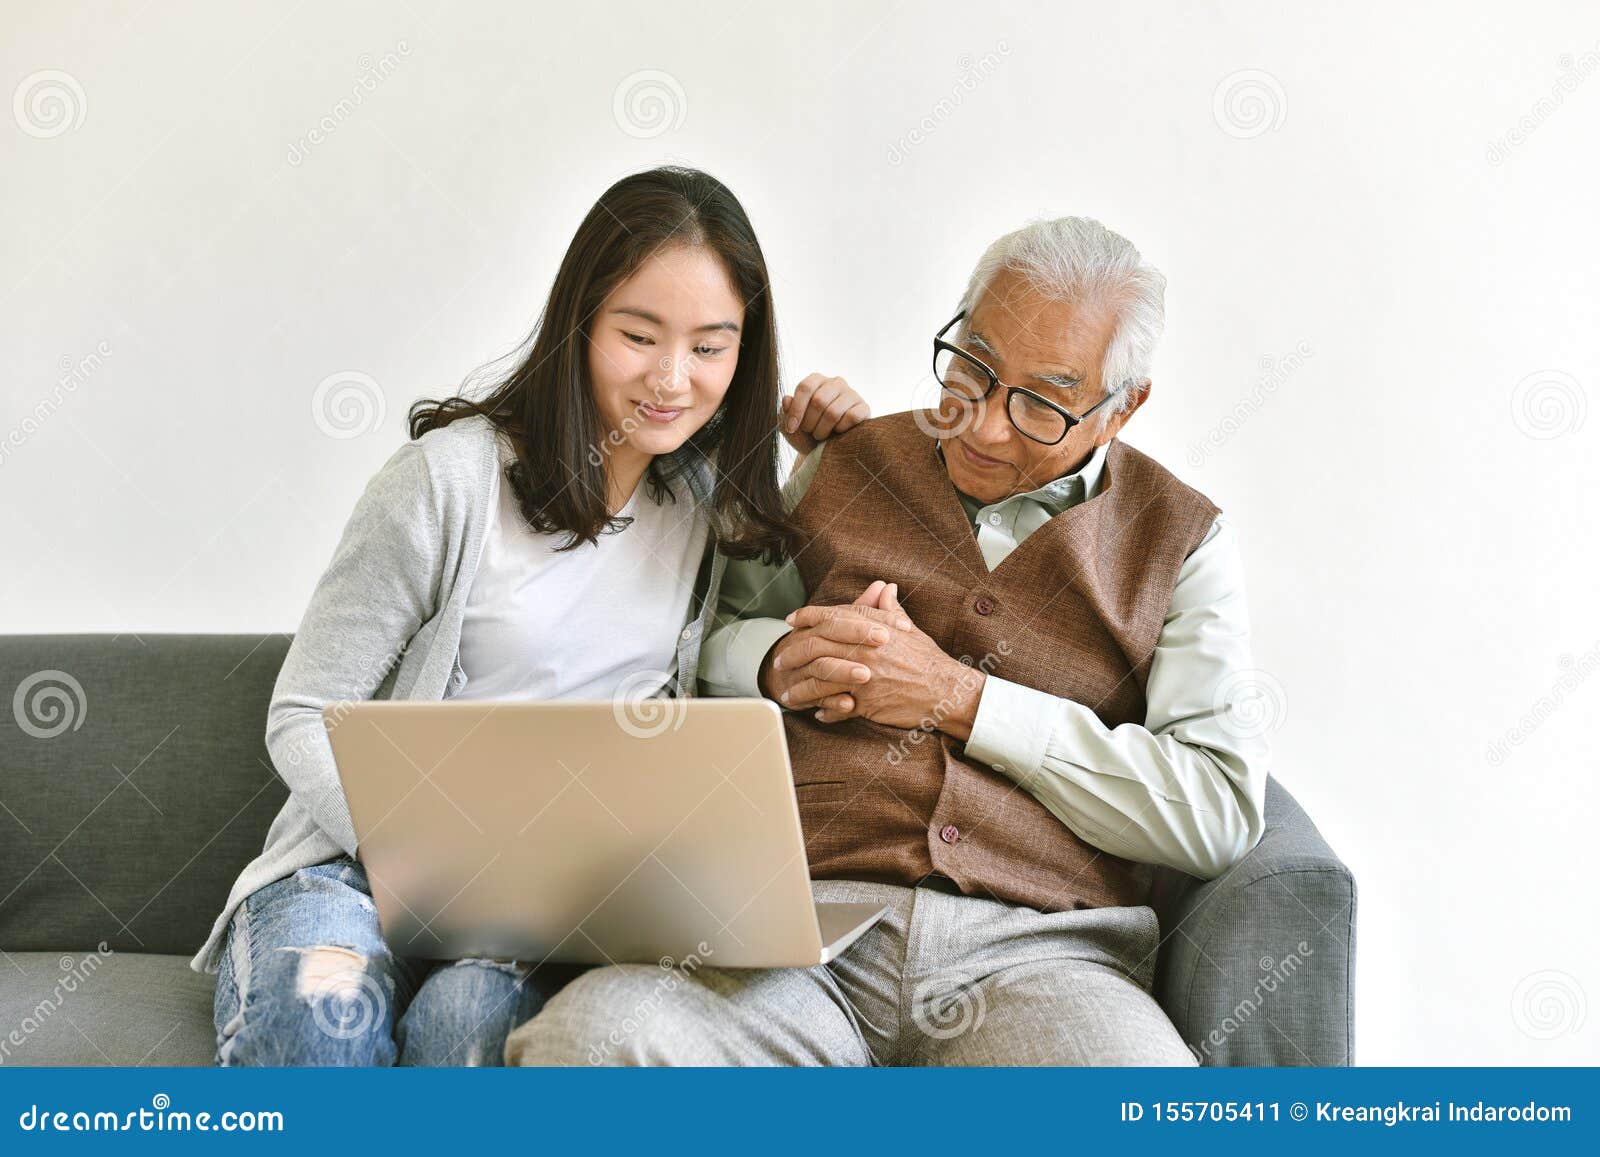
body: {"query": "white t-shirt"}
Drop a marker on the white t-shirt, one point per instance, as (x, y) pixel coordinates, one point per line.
(594, 622)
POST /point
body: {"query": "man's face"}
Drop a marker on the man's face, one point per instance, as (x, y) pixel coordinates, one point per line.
(1054, 349)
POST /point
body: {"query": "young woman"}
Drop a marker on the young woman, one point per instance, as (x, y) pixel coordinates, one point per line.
(553, 540)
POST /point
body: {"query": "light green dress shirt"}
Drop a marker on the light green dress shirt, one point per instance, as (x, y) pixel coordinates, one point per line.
(1186, 790)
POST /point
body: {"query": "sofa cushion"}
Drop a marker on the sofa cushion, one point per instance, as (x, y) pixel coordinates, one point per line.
(134, 784)
(91, 1008)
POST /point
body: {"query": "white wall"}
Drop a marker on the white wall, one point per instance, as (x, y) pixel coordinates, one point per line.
(1410, 486)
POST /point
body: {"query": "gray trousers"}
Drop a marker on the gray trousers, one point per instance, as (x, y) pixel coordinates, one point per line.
(942, 979)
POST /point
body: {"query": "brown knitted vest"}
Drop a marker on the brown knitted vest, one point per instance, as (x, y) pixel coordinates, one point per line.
(1075, 610)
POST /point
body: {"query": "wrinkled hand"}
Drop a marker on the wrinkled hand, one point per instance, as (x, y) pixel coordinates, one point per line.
(819, 408)
(911, 682)
(821, 663)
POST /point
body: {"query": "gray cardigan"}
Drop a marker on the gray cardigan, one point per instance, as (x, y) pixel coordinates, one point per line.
(384, 622)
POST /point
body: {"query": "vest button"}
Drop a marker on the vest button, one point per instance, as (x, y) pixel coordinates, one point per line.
(984, 605)
(949, 833)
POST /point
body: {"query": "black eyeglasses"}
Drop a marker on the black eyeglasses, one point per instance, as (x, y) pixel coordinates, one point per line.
(967, 379)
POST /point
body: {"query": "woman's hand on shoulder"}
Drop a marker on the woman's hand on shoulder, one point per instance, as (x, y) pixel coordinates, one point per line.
(819, 408)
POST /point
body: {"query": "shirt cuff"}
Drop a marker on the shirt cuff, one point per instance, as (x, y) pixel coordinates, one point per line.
(749, 643)
(1012, 728)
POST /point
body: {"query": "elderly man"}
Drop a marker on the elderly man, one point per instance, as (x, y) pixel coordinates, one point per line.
(1013, 650)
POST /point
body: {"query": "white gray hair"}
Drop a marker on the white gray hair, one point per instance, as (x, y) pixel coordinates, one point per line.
(1077, 259)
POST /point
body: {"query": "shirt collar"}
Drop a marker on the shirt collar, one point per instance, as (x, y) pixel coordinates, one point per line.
(1070, 489)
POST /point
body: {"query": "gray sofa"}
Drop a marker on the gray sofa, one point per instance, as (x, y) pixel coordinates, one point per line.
(126, 812)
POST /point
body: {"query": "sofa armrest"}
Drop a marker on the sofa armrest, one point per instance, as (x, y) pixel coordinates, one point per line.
(1256, 966)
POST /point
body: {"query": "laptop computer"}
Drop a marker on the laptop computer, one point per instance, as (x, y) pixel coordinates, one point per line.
(652, 830)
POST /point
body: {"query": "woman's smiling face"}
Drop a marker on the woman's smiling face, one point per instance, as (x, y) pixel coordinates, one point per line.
(662, 350)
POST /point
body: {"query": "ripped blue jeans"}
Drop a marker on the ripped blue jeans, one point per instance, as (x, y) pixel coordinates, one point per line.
(306, 979)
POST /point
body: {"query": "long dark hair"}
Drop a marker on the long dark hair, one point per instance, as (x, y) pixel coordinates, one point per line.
(546, 407)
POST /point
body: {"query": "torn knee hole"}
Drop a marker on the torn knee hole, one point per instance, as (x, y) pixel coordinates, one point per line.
(509, 967)
(329, 970)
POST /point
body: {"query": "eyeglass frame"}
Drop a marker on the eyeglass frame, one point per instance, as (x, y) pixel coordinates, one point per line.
(940, 345)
